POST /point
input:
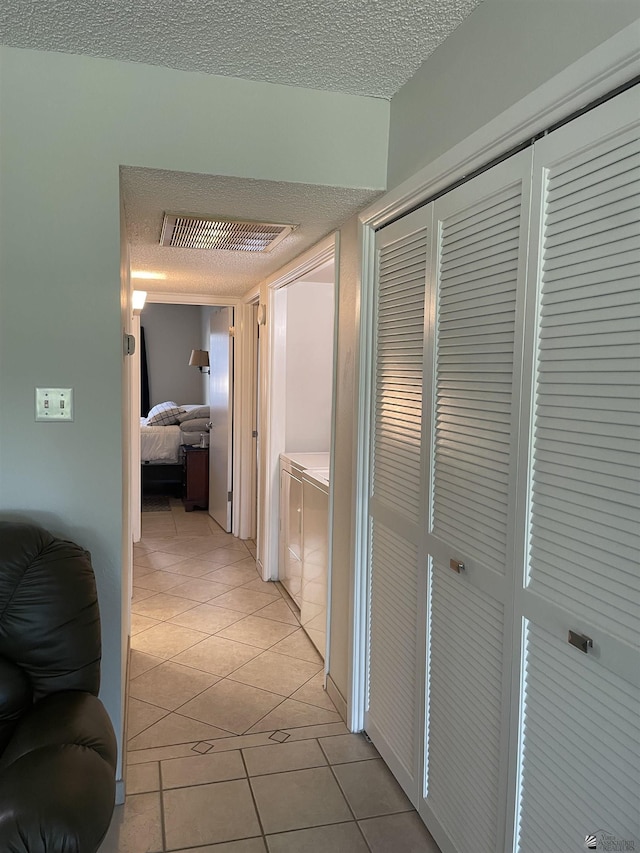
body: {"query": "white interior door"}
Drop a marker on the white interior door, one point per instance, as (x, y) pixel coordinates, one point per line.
(221, 403)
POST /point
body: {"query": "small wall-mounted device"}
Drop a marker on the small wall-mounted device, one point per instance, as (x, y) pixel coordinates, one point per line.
(54, 404)
(128, 344)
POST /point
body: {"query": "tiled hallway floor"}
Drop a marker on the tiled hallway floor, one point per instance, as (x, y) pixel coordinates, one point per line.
(233, 745)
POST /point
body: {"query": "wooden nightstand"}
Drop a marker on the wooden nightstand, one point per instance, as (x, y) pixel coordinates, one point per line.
(195, 477)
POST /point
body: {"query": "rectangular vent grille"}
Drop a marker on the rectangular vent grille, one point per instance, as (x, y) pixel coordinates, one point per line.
(191, 232)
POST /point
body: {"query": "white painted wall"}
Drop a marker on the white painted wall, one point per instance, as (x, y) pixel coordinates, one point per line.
(309, 370)
(205, 333)
(68, 124)
(171, 332)
(499, 54)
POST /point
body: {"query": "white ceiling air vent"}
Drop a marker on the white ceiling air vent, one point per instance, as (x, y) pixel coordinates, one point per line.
(197, 232)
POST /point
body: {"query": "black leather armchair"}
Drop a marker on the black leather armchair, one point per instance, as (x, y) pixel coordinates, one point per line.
(57, 746)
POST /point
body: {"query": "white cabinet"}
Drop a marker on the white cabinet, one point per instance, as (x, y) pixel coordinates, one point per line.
(290, 571)
(315, 556)
(292, 466)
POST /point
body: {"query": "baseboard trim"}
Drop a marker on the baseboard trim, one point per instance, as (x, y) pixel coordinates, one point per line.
(337, 698)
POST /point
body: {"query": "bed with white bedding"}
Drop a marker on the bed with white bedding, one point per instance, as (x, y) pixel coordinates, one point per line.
(162, 432)
(159, 444)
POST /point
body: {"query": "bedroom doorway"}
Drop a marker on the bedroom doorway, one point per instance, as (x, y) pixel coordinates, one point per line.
(175, 325)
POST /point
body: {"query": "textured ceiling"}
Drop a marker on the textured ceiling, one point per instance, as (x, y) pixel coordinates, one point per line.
(363, 47)
(148, 193)
(355, 46)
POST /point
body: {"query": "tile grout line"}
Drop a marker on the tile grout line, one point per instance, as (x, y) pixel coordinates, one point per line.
(299, 829)
(253, 799)
(263, 717)
(342, 791)
(162, 820)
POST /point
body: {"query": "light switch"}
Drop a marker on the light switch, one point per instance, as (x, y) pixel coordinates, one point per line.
(54, 404)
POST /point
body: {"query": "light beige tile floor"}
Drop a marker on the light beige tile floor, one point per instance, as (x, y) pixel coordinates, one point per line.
(233, 744)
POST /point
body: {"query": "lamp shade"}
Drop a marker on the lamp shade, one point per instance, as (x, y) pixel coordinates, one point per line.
(199, 358)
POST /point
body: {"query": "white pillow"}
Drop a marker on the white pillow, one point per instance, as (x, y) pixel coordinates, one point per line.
(195, 425)
(164, 414)
(195, 413)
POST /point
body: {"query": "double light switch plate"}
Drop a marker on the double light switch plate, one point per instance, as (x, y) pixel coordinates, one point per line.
(54, 404)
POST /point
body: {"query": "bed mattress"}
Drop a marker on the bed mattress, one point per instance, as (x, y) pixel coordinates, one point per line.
(160, 444)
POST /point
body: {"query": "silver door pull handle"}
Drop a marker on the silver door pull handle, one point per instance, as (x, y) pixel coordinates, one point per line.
(456, 566)
(580, 641)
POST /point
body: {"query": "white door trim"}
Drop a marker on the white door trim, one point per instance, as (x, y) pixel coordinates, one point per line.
(238, 422)
(193, 299)
(611, 64)
(244, 396)
(358, 659)
(249, 478)
(272, 384)
(134, 457)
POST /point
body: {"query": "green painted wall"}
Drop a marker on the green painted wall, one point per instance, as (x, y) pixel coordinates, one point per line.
(503, 51)
(67, 123)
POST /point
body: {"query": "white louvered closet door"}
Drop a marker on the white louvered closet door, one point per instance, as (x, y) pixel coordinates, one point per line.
(580, 739)
(397, 601)
(479, 266)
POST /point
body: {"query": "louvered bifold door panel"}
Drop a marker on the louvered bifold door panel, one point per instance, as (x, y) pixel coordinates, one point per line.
(398, 594)
(480, 270)
(394, 631)
(586, 466)
(479, 263)
(398, 379)
(465, 712)
(582, 774)
(580, 745)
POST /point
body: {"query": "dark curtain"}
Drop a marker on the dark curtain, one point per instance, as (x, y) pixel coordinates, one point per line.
(144, 377)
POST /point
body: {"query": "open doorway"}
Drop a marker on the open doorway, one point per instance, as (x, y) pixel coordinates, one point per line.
(299, 425)
(183, 452)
